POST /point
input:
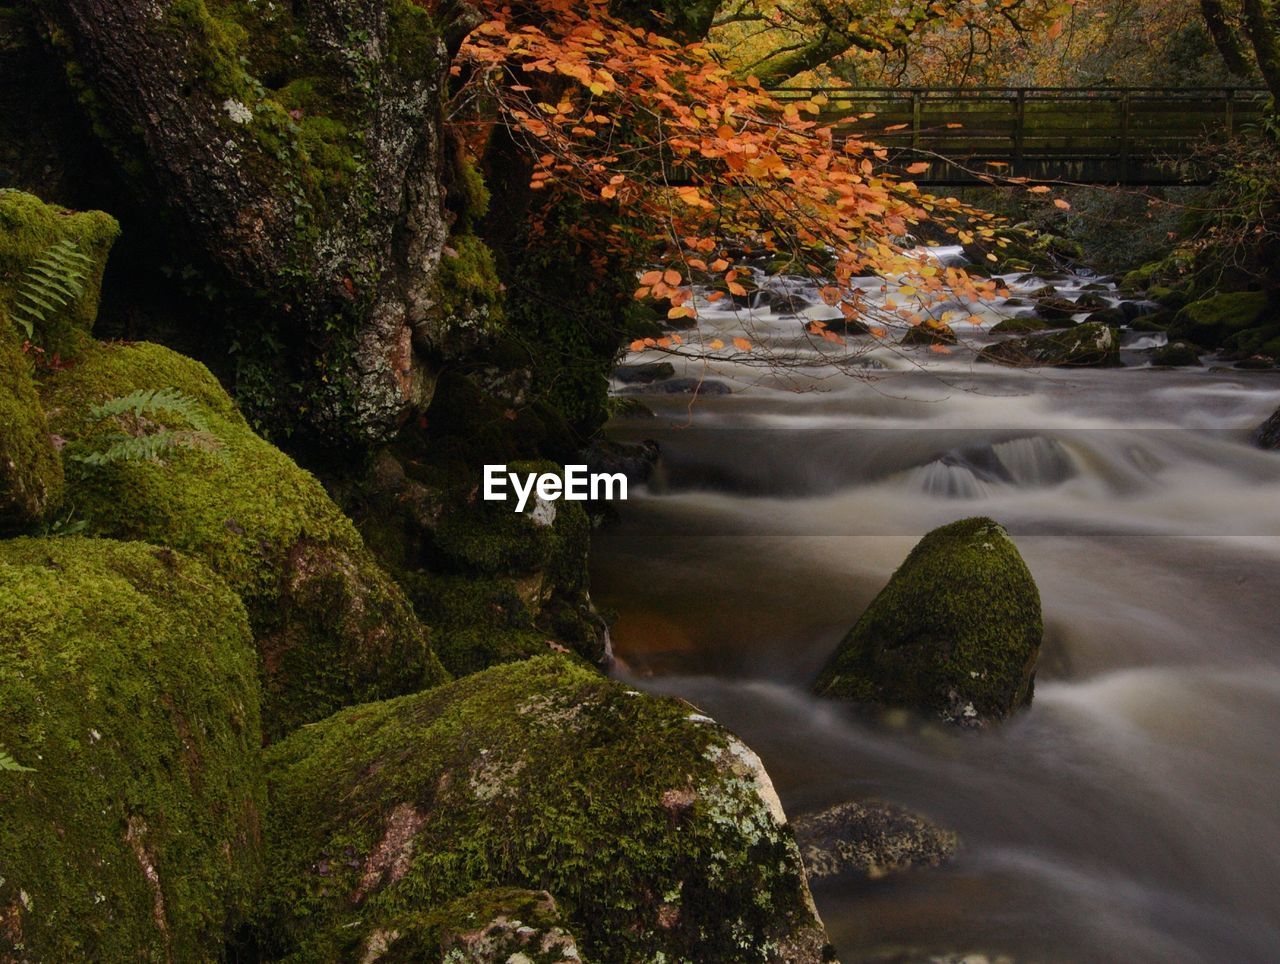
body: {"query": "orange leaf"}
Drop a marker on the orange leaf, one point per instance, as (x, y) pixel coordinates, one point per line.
(638, 345)
(742, 344)
(1060, 203)
(918, 168)
(671, 277)
(651, 278)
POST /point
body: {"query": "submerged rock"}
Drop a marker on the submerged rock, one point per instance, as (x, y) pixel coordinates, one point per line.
(657, 831)
(645, 373)
(1089, 344)
(129, 689)
(1267, 435)
(956, 632)
(869, 839)
(682, 386)
(332, 628)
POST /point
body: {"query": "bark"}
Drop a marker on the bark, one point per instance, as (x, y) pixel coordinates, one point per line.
(1263, 28)
(298, 150)
(1225, 37)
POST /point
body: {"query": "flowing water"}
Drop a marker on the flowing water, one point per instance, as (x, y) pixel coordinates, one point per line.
(1133, 812)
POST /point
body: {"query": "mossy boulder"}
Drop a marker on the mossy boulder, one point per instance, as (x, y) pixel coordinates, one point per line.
(956, 632)
(1089, 344)
(30, 470)
(128, 686)
(332, 628)
(929, 332)
(1211, 321)
(29, 228)
(657, 831)
(496, 926)
(1019, 325)
(1176, 354)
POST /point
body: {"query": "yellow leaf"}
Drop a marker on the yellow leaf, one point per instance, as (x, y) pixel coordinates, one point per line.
(716, 344)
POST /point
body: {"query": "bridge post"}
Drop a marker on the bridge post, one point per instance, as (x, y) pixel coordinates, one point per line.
(1019, 131)
(915, 118)
(1126, 114)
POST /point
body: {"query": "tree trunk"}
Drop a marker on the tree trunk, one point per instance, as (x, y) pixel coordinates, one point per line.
(1225, 37)
(1263, 28)
(296, 148)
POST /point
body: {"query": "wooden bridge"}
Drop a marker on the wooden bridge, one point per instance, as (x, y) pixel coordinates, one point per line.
(1134, 136)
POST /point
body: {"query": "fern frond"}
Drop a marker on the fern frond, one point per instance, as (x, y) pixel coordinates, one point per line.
(147, 448)
(10, 764)
(148, 402)
(144, 437)
(53, 281)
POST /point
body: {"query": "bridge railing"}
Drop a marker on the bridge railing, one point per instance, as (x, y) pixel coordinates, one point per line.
(1088, 135)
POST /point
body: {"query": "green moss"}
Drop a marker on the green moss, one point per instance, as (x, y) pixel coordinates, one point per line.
(956, 631)
(648, 825)
(467, 293)
(1211, 321)
(28, 227)
(128, 686)
(1176, 353)
(331, 626)
(507, 584)
(30, 469)
(475, 622)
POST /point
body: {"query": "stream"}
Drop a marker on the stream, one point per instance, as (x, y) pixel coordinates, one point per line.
(1133, 812)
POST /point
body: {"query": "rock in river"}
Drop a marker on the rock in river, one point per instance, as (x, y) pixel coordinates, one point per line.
(657, 832)
(1089, 344)
(956, 632)
(869, 839)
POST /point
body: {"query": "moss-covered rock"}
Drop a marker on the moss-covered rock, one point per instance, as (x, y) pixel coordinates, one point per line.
(929, 332)
(29, 229)
(497, 926)
(1211, 321)
(128, 687)
(1089, 344)
(332, 628)
(1019, 325)
(30, 470)
(657, 831)
(1176, 354)
(956, 631)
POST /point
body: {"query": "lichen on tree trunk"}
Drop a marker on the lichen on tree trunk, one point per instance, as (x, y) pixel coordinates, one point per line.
(297, 152)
